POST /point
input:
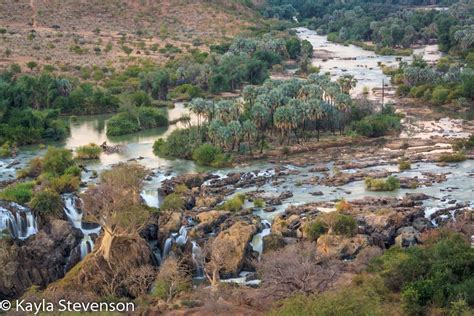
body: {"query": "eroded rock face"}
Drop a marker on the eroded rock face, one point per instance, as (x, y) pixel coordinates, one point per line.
(39, 260)
(340, 247)
(231, 247)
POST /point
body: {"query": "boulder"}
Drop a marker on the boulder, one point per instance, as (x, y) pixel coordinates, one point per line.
(40, 260)
(407, 237)
(273, 242)
(231, 247)
(341, 247)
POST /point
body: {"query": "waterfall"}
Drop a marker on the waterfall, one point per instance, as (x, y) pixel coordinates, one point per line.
(167, 247)
(180, 238)
(257, 241)
(198, 260)
(20, 223)
(86, 246)
(75, 217)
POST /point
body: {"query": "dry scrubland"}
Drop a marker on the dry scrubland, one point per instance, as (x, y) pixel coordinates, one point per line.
(70, 33)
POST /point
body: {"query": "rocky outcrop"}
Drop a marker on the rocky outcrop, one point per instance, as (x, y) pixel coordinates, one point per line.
(40, 260)
(208, 222)
(341, 247)
(231, 247)
(407, 237)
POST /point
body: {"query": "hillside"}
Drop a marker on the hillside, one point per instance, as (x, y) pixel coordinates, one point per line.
(96, 32)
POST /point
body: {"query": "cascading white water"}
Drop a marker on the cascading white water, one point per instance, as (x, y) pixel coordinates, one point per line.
(21, 223)
(86, 246)
(75, 217)
(167, 247)
(198, 260)
(257, 240)
(180, 238)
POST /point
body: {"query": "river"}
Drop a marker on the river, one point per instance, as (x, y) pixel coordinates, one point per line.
(364, 65)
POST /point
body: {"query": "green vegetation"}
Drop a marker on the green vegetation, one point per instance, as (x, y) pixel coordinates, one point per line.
(452, 157)
(209, 155)
(392, 26)
(259, 203)
(377, 125)
(47, 202)
(434, 278)
(389, 184)
(135, 120)
(172, 202)
(331, 223)
(87, 152)
(234, 204)
(19, 192)
(296, 109)
(404, 164)
(465, 144)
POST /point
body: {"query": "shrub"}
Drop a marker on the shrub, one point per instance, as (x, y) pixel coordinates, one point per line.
(259, 203)
(122, 124)
(87, 152)
(57, 160)
(6, 150)
(377, 125)
(19, 192)
(47, 202)
(465, 144)
(315, 229)
(234, 204)
(65, 183)
(343, 205)
(404, 164)
(389, 184)
(33, 170)
(171, 280)
(439, 95)
(452, 157)
(172, 202)
(179, 144)
(205, 154)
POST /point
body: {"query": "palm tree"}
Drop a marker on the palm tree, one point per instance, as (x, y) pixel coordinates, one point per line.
(236, 133)
(260, 115)
(285, 120)
(249, 130)
(316, 114)
(347, 83)
(198, 106)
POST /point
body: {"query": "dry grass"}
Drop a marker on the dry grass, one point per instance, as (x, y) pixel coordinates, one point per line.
(47, 31)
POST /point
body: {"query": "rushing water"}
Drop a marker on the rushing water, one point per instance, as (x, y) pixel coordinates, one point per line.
(338, 60)
(364, 65)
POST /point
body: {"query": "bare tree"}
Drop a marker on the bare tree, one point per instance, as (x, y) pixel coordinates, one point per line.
(172, 279)
(294, 269)
(214, 262)
(116, 204)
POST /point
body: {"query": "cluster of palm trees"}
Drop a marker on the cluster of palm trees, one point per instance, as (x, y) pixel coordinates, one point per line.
(296, 107)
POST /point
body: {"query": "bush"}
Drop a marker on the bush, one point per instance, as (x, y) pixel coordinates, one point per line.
(404, 164)
(33, 170)
(205, 154)
(171, 280)
(377, 125)
(452, 157)
(259, 203)
(46, 203)
(343, 205)
(179, 144)
(234, 204)
(19, 192)
(439, 95)
(122, 124)
(315, 229)
(65, 183)
(172, 202)
(6, 150)
(389, 184)
(57, 160)
(87, 152)
(465, 144)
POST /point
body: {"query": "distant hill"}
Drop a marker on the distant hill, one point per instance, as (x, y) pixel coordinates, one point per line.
(78, 31)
